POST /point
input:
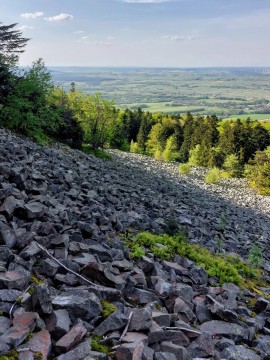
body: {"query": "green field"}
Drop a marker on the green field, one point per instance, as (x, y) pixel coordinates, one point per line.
(226, 92)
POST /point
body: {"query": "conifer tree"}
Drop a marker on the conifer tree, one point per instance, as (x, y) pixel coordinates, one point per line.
(11, 44)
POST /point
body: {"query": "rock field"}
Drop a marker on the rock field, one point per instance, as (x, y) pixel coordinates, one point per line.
(62, 260)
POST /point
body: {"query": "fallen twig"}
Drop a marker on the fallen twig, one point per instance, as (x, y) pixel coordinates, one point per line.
(126, 328)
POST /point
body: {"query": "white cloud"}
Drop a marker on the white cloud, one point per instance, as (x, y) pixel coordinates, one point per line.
(109, 38)
(173, 37)
(60, 17)
(25, 27)
(32, 15)
(79, 32)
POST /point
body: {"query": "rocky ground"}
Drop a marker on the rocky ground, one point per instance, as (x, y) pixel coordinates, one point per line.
(61, 213)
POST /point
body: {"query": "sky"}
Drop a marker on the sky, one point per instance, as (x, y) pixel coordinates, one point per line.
(145, 33)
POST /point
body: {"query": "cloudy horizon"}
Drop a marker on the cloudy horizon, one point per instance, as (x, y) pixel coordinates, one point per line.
(144, 33)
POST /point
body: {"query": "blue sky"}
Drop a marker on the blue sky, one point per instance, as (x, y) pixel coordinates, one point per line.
(165, 33)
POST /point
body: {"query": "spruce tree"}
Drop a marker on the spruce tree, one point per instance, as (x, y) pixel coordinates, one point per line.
(11, 44)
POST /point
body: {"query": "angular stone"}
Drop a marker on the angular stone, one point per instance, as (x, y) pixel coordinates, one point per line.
(7, 235)
(115, 321)
(146, 264)
(141, 297)
(239, 352)
(58, 323)
(133, 337)
(162, 319)
(71, 339)
(103, 274)
(179, 351)
(184, 291)
(16, 279)
(44, 298)
(5, 324)
(164, 288)
(184, 310)
(155, 334)
(41, 343)
(82, 304)
(140, 320)
(128, 351)
(262, 343)
(34, 210)
(232, 331)
(187, 329)
(159, 355)
(220, 310)
(8, 207)
(179, 270)
(198, 275)
(78, 353)
(9, 295)
(202, 347)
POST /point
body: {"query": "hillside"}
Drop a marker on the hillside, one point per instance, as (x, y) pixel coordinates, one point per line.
(62, 218)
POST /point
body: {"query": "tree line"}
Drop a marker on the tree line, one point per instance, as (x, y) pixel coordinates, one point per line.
(32, 105)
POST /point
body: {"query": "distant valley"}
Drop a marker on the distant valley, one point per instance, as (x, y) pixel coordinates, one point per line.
(226, 92)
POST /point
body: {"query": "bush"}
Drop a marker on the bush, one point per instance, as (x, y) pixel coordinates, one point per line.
(134, 147)
(194, 156)
(258, 172)
(184, 169)
(213, 176)
(232, 166)
(226, 268)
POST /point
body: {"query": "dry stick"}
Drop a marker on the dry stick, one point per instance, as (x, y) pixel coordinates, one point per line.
(126, 328)
(112, 291)
(12, 307)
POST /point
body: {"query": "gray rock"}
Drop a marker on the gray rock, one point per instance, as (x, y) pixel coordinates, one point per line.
(239, 352)
(159, 355)
(179, 351)
(198, 275)
(262, 343)
(115, 321)
(82, 304)
(140, 320)
(232, 331)
(7, 235)
(78, 353)
(58, 323)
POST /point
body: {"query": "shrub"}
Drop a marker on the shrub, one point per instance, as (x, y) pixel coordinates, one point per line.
(232, 166)
(226, 268)
(258, 172)
(134, 147)
(213, 176)
(184, 169)
(194, 156)
(255, 256)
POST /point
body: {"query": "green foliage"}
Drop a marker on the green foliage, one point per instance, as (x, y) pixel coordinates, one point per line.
(184, 169)
(258, 172)
(11, 44)
(226, 268)
(97, 346)
(134, 147)
(137, 252)
(169, 153)
(172, 227)
(96, 152)
(27, 109)
(95, 115)
(107, 308)
(213, 176)
(232, 166)
(12, 355)
(255, 256)
(194, 158)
